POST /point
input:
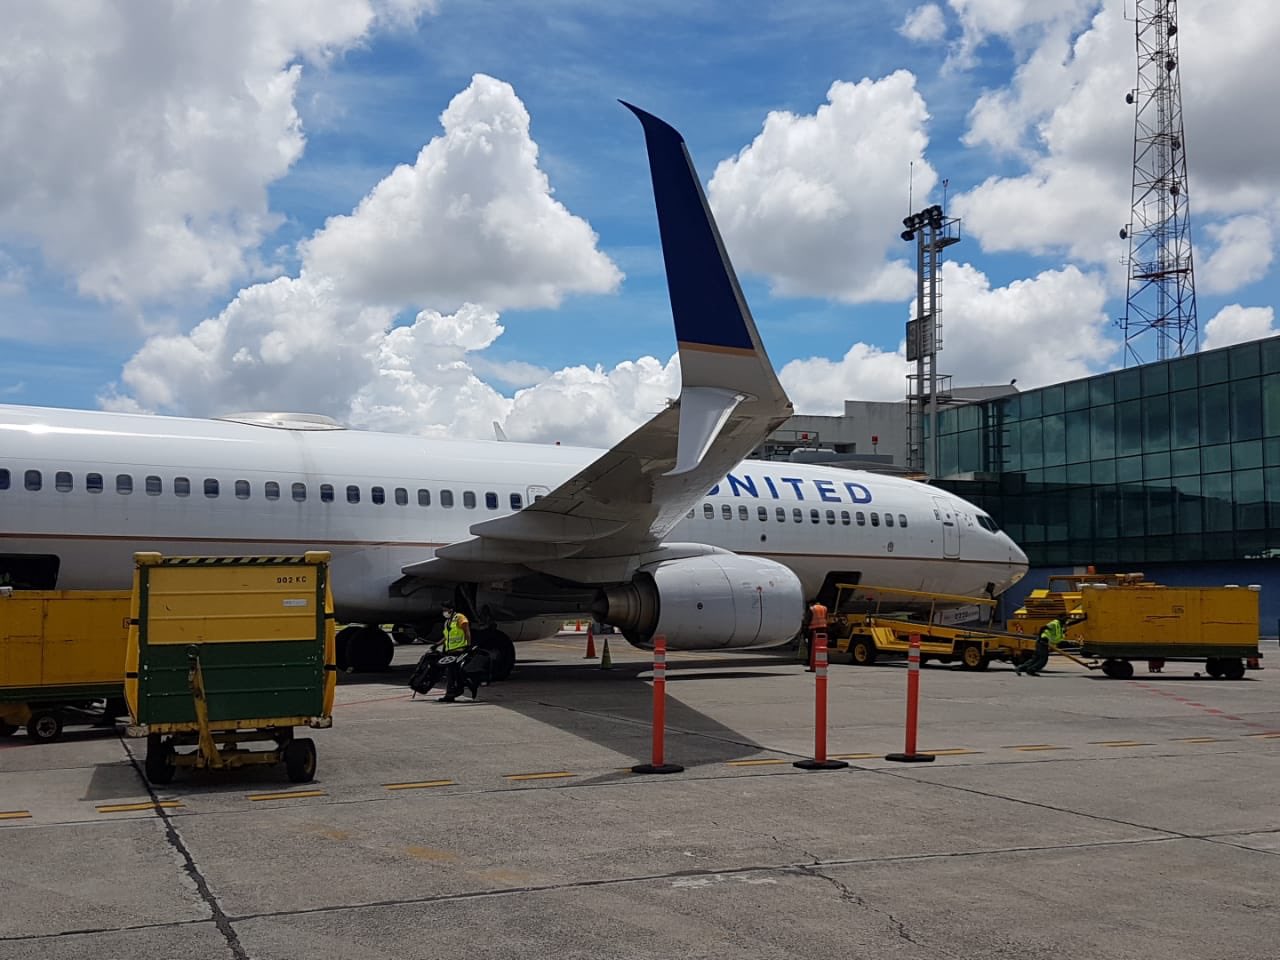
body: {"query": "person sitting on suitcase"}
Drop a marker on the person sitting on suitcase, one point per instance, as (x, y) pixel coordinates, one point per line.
(457, 641)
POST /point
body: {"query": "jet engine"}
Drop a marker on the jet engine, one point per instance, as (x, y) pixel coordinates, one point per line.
(705, 603)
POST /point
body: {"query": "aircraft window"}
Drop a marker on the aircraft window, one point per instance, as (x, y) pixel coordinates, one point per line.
(516, 501)
(182, 487)
(844, 517)
(124, 483)
(4, 479)
(987, 523)
(377, 495)
(902, 519)
(446, 498)
(271, 490)
(742, 511)
(726, 511)
(32, 480)
(326, 493)
(861, 518)
(491, 501)
(797, 515)
(242, 489)
(469, 499)
(875, 519)
(210, 487)
(815, 516)
(62, 481)
(93, 482)
(402, 496)
(782, 514)
(831, 516)
(888, 519)
(424, 497)
(153, 486)
(762, 513)
(708, 511)
(689, 515)
(299, 492)
(353, 494)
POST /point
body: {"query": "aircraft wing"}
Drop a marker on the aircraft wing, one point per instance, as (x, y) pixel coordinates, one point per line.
(730, 401)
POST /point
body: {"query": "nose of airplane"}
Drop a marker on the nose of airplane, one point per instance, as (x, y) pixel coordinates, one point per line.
(1017, 561)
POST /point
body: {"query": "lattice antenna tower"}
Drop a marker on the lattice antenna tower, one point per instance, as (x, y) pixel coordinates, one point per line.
(1161, 290)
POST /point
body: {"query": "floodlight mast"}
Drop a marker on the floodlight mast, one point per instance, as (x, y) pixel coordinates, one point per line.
(1161, 296)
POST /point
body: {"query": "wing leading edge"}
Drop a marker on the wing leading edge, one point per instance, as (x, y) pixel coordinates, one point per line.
(730, 401)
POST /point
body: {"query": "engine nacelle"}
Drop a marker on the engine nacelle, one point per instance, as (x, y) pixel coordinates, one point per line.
(706, 603)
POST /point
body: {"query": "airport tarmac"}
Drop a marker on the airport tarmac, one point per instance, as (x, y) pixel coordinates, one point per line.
(1065, 816)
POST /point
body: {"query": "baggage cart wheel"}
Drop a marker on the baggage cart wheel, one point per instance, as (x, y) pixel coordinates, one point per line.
(1118, 669)
(7, 729)
(45, 726)
(1232, 668)
(1213, 667)
(862, 652)
(300, 760)
(972, 658)
(158, 765)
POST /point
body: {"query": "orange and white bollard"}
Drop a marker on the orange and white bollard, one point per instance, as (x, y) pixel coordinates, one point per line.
(658, 763)
(913, 706)
(820, 761)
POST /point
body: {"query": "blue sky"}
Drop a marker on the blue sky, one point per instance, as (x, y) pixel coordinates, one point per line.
(153, 191)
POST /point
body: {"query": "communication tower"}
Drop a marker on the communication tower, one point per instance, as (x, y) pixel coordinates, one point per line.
(932, 231)
(1161, 290)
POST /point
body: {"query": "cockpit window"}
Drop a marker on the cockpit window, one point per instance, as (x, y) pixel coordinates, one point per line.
(987, 523)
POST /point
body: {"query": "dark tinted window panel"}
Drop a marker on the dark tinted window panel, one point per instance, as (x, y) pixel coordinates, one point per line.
(845, 519)
(491, 501)
(181, 486)
(299, 491)
(708, 511)
(1246, 456)
(797, 515)
(124, 483)
(781, 514)
(517, 502)
(153, 486)
(469, 499)
(831, 516)
(353, 494)
(902, 521)
(424, 497)
(875, 519)
(1214, 367)
(62, 481)
(762, 513)
(271, 490)
(242, 489)
(1244, 361)
(377, 495)
(1102, 390)
(4, 479)
(32, 480)
(861, 518)
(402, 497)
(446, 498)
(742, 512)
(210, 487)
(726, 511)
(1246, 409)
(326, 493)
(1182, 374)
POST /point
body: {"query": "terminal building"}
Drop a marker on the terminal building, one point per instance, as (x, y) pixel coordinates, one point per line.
(1171, 468)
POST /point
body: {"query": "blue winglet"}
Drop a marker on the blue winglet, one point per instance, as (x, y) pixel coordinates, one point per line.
(706, 301)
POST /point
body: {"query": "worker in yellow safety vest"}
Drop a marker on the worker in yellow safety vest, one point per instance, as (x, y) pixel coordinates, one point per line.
(1051, 635)
(457, 641)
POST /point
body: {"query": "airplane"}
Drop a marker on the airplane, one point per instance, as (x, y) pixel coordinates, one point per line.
(668, 532)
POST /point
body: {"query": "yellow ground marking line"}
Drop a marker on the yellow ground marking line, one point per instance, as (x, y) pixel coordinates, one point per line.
(1036, 746)
(755, 763)
(951, 752)
(1199, 740)
(14, 815)
(134, 807)
(419, 784)
(288, 795)
(853, 756)
(1265, 736)
(553, 775)
(1120, 743)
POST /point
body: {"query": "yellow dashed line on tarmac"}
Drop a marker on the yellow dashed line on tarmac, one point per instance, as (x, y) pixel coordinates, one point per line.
(15, 815)
(1036, 746)
(1272, 735)
(554, 775)
(419, 784)
(1119, 743)
(288, 795)
(951, 752)
(853, 756)
(755, 763)
(135, 807)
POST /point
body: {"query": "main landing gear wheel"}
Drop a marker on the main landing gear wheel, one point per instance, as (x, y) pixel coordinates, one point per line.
(972, 658)
(300, 760)
(45, 726)
(158, 765)
(502, 652)
(365, 649)
(862, 652)
(1118, 669)
(1232, 669)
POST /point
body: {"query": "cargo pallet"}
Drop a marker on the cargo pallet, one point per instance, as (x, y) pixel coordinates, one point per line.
(224, 651)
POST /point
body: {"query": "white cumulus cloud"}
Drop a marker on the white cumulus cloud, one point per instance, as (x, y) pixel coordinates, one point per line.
(805, 203)
(187, 111)
(1236, 324)
(1242, 254)
(924, 24)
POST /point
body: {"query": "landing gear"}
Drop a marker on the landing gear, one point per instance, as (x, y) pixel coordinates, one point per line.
(501, 650)
(365, 649)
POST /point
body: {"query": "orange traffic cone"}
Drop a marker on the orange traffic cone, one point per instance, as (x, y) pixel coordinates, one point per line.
(606, 662)
(591, 644)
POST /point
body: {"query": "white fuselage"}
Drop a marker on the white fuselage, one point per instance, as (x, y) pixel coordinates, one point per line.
(91, 488)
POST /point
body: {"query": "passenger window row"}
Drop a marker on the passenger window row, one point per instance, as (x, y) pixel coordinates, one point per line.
(798, 515)
(153, 486)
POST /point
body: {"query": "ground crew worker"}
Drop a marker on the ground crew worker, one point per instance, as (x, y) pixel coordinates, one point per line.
(817, 625)
(1051, 635)
(457, 641)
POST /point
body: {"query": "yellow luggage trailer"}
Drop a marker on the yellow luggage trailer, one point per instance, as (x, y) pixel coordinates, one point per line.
(230, 650)
(869, 623)
(60, 652)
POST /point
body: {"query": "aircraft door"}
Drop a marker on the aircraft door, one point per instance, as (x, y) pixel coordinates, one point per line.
(535, 492)
(950, 532)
